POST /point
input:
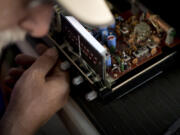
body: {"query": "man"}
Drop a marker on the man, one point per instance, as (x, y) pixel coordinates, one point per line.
(42, 89)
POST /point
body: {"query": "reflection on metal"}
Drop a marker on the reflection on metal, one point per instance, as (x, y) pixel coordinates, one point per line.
(142, 72)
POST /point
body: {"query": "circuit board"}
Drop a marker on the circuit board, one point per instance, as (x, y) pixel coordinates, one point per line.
(105, 55)
(133, 40)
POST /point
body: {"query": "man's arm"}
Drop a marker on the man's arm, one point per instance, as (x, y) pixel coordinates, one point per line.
(40, 92)
(12, 124)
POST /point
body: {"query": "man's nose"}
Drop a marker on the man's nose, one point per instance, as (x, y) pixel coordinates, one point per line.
(37, 21)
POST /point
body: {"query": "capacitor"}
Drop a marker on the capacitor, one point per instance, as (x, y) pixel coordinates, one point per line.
(118, 59)
(122, 66)
(112, 41)
(108, 61)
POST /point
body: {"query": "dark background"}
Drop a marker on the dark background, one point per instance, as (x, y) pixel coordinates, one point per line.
(169, 10)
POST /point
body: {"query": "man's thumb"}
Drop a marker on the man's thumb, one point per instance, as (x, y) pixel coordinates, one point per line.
(45, 62)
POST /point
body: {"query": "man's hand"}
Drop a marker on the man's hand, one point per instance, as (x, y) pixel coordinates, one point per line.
(40, 92)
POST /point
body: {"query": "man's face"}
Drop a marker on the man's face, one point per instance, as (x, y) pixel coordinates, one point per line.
(18, 16)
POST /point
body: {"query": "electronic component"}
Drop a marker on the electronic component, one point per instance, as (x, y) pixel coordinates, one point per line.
(90, 49)
(65, 65)
(111, 41)
(111, 57)
(141, 52)
(159, 24)
(114, 51)
(108, 61)
(77, 80)
(91, 95)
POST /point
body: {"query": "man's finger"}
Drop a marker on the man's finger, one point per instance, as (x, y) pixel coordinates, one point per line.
(60, 80)
(9, 81)
(41, 48)
(25, 60)
(16, 72)
(57, 75)
(56, 70)
(45, 62)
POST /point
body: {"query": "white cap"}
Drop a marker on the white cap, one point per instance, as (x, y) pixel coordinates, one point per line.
(91, 12)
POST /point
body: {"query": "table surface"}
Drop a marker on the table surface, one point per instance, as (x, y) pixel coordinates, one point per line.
(149, 110)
